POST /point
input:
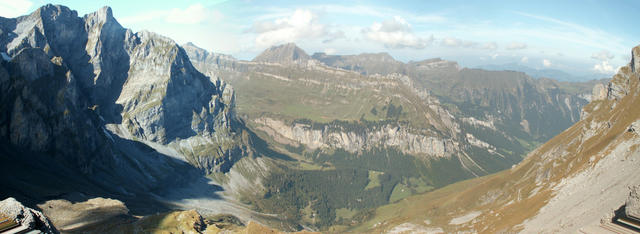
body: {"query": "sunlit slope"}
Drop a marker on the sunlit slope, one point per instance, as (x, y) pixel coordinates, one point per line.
(569, 182)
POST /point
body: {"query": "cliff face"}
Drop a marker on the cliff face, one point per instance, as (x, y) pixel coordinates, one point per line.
(404, 139)
(86, 92)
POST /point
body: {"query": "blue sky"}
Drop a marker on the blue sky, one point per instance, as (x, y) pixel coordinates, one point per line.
(579, 37)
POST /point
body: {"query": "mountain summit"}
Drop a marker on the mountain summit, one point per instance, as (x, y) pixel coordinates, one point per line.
(285, 54)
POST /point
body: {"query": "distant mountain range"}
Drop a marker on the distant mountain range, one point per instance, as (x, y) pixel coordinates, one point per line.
(542, 73)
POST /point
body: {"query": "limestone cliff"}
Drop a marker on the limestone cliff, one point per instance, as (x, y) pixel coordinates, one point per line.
(404, 139)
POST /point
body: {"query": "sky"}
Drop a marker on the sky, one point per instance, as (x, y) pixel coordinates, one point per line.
(578, 37)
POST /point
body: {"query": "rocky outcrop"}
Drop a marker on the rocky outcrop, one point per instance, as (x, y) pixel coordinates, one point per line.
(599, 92)
(25, 216)
(634, 127)
(208, 62)
(632, 206)
(67, 216)
(635, 59)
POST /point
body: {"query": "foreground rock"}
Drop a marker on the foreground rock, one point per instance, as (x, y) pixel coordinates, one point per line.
(103, 215)
(67, 216)
(25, 216)
(632, 206)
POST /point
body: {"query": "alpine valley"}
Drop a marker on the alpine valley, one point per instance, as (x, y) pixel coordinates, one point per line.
(107, 130)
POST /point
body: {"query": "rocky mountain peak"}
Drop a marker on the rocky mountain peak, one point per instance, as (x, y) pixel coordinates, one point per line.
(102, 15)
(195, 52)
(51, 11)
(382, 56)
(288, 53)
(619, 86)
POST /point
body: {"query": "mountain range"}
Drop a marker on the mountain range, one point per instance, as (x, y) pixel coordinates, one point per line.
(541, 73)
(93, 112)
(582, 180)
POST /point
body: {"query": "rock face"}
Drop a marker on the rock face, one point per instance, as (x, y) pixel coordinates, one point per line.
(401, 138)
(111, 110)
(599, 92)
(141, 81)
(632, 206)
(214, 61)
(25, 216)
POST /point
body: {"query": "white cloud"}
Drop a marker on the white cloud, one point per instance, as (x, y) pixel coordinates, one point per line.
(516, 46)
(575, 34)
(14, 8)
(546, 63)
(302, 24)
(379, 12)
(455, 42)
(396, 33)
(334, 36)
(495, 56)
(490, 46)
(330, 51)
(604, 67)
(603, 55)
(524, 59)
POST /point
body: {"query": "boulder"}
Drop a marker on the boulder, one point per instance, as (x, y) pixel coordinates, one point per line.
(632, 206)
(634, 127)
(26, 216)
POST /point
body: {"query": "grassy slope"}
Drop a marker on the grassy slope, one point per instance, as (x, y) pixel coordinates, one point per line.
(326, 95)
(562, 156)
